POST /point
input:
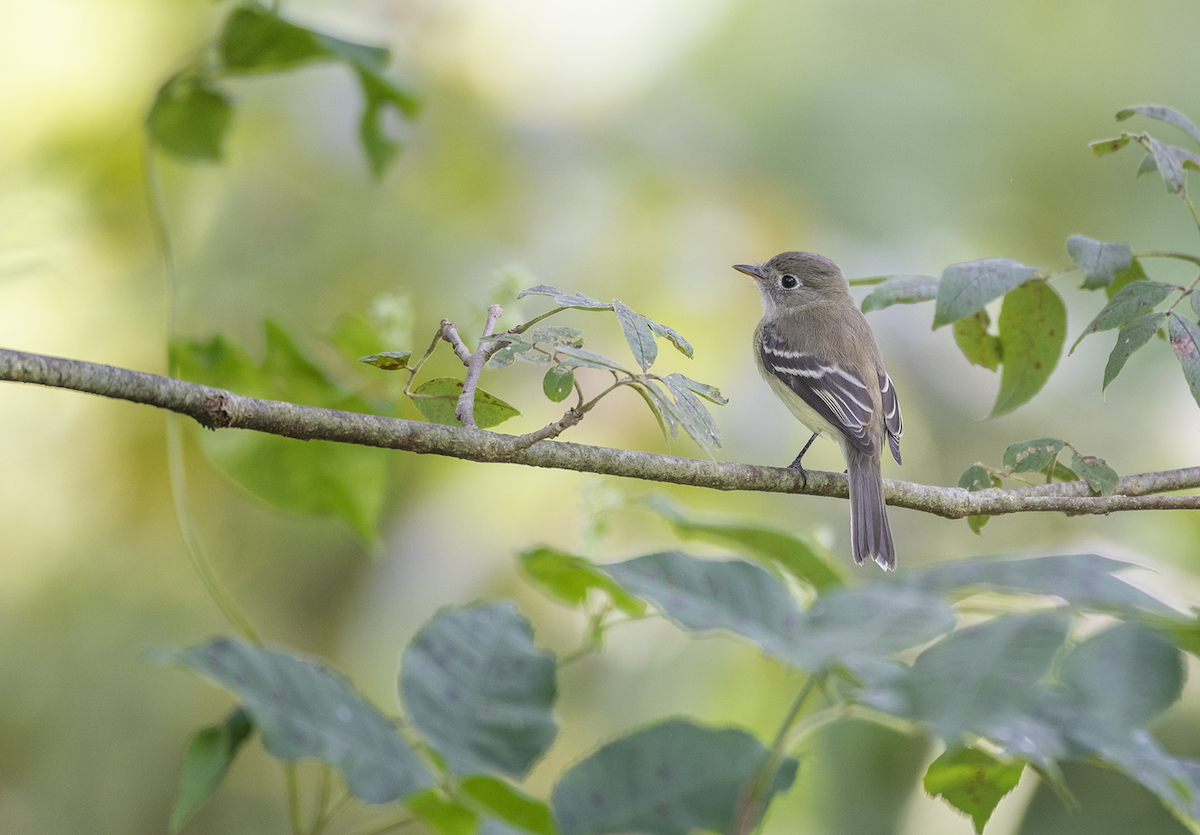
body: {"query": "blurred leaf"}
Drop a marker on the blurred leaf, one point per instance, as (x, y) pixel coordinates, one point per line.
(1033, 330)
(570, 578)
(354, 336)
(662, 407)
(256, 40)
(388, 360)
(1165, 114)
(1099, 260)
(1099, 476)
(1185, 340)
(1125, 277)
(1061, 471)
(510, 806)
(967, 288)
(210, 753)
(710, 393)
(1147, 166)
(437, 400)
(1108, 146)
(977, 345)
(638, 335)
(1171, 160)
(588, 359)
(379, 93)
(573, 300)
(692, 414)
(847, 627)
(1130, 338)
(976, 523)
(558, 383)
(797, 557)
(669, 779)
(1140, 757)
(1031, 456)
(479, 691)
(189, 118)
(304, 709)
(1195, 302)
(700, 595)
(443, 815)
(1124, 676)
(310, 477)
(980, 672)
(671, 335)
(1084, 580)
(900, 289)
(517, 350)
(972, 781)
(1134, 300)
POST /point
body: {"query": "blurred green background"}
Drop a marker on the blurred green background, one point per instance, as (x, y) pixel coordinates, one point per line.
(628, 148)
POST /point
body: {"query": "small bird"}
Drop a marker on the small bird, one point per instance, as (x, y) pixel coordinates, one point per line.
(816, 350)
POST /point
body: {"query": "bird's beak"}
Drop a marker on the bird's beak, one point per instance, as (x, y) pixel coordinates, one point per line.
(751, 270)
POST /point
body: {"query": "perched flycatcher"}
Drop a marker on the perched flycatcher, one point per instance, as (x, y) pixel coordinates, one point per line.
(816, 350)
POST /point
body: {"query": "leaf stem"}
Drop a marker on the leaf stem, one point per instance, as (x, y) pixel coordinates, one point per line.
(293, 790)
(751, 805)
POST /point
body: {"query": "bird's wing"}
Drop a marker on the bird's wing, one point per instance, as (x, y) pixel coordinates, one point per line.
(893, 422)
(837, 394)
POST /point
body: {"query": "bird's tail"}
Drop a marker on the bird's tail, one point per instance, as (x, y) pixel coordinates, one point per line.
(870, 535)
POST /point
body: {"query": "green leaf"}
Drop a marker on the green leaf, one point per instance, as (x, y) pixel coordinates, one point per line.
(1165, 114)
(437, 400)
(557, 335)
(304, 709)
(558, 383)
(379, 94)
(309, 477)
(1031, 456)
(569, 578)
(671, 335)
(967, 288)
(852, 627)
(976, 523)
(388, 360)
(669, 779)
(701, 595)
(900, 289)
(978, 346)
(1185, 340)
(1108, 146)
(1126, 277)
(573, 300)
(513, 807)
(798, 558)
(975, 478)
(710, 393)
(1083, 580)
(479, 691)
(579, 357)
(1171, 160)
(1125, 676)
(1099, 476)
(638, 335)
(189, 118)
(210, 753)
(1033, 330)
(980, 673)
(972, 781)
(661, 407)
(256, 40)
(443, 815)
(693, 416)
(1133, 300)
(1131, 338)
(1099, 260)
(1146, 166)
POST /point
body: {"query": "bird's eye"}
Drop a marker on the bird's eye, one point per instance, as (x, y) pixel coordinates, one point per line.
(788, 282)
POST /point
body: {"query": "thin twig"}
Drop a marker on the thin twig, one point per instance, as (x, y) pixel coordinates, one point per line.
(465, 411)
(218, 409)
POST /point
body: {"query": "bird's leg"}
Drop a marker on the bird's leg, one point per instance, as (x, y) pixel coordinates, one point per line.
(796, 465)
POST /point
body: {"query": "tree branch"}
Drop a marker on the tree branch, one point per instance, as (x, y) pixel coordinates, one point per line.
(219, 409)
